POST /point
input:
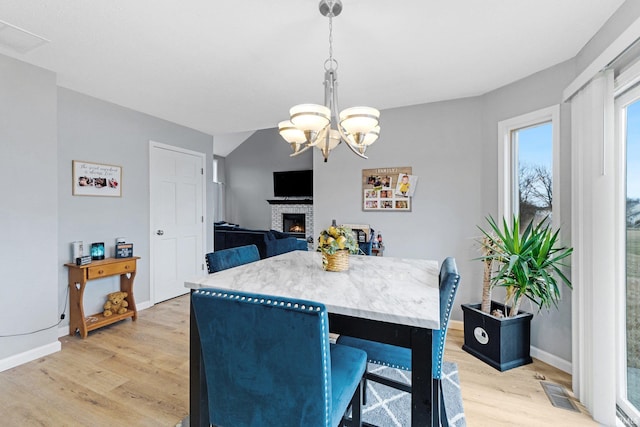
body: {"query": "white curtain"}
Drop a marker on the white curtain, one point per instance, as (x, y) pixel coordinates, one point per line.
(593, 238)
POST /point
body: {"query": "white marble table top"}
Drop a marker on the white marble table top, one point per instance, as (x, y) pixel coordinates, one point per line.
(396, 290)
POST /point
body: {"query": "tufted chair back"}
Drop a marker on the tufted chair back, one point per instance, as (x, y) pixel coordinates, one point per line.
(449, 280)
(233, 257)
(267, 360)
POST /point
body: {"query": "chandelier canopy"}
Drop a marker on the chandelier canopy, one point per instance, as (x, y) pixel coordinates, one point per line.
(320, 126)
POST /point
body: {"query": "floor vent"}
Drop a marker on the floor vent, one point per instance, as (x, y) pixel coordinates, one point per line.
(558, 396)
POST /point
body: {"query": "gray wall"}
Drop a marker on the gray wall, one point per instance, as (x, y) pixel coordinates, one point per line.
(97, 131)
(249, 177)
(442, 142)
(551, 330)
(29, 207)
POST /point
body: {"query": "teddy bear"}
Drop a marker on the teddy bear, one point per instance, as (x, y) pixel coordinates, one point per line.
(116, 304)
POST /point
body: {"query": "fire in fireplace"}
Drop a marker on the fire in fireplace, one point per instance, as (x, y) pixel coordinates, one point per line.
(293, 223)
(297, 228)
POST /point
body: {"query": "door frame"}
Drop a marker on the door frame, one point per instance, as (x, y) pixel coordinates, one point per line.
(623, 99)
(153, 145)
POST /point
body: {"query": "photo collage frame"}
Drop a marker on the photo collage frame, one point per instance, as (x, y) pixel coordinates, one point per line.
(388, 189)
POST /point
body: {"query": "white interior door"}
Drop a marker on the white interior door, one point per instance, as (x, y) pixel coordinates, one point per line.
(177, 219)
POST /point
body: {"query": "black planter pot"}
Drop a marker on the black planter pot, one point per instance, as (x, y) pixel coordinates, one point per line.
(502, 343)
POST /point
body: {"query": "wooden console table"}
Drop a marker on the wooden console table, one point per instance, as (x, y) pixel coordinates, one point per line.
(79, 275)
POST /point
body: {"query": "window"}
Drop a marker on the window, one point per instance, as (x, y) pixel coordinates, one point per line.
(219, 206)
(528, 158)
(628, 140)
(215, 170)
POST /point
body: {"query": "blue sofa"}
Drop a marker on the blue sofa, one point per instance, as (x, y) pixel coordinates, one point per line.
(269, 242)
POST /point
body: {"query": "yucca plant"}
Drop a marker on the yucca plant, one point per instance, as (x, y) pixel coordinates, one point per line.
(528, 264)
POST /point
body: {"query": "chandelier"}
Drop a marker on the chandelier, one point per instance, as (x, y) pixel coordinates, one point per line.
(320, 126)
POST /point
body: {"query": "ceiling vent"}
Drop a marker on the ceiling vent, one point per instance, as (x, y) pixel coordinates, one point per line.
(19, 40)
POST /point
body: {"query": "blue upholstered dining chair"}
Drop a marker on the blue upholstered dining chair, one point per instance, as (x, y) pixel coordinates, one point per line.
(233, 257)
(268, 362)
(400, 357)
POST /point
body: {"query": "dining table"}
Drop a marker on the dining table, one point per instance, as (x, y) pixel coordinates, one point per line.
(384, 299)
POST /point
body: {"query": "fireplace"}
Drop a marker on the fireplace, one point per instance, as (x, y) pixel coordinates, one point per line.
(299, 211)
(294, 224)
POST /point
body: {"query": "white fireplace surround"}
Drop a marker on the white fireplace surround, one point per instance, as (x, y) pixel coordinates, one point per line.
(278, 209)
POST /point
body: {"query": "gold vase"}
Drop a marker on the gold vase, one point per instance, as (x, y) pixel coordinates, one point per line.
(336, 262)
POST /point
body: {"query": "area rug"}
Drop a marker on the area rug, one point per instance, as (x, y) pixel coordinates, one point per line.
(388, 407)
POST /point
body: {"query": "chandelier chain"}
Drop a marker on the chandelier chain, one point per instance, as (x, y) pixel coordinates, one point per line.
(331, 41)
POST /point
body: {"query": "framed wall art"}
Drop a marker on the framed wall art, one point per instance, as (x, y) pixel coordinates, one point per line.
(388, 189)
(96, 179)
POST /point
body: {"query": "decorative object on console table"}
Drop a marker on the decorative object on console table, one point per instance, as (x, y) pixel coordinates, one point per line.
(83, 260)
(97, 251)
(77, 249)
(124, 250)
(336, 243)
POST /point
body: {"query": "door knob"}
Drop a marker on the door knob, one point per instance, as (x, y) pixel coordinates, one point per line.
(160, 232)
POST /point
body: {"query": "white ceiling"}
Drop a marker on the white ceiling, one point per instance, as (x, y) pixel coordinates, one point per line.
(234, 66)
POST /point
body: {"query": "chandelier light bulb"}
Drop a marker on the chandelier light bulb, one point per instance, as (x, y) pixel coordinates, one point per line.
(290, 133)
(372, 136)
(328, 143)
(310, 117)
(359, 120)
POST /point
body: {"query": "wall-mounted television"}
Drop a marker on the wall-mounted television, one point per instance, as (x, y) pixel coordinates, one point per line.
(293, 183)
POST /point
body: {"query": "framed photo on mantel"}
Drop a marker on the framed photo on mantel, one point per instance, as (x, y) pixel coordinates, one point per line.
(388, 189)
(96, 179)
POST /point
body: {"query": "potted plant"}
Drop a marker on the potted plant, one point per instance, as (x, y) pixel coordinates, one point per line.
(336, 243)
(528, 265)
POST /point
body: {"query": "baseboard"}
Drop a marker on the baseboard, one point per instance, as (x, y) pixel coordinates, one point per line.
(144, 305)
(551, 359)
(29, 355)
(458, 325)
(64, 330)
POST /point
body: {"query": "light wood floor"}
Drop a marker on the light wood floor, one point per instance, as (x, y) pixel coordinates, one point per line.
(137, 374)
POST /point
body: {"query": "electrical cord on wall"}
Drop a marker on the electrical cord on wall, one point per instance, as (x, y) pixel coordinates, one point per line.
(48, 327)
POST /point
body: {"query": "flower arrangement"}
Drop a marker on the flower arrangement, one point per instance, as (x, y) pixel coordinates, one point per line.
(336, 238)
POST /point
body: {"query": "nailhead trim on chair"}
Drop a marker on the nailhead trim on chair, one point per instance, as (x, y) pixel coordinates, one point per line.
(325, 369)
(389, 365)
(442, 338)
(299, 307)
(290, 305)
